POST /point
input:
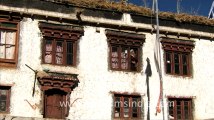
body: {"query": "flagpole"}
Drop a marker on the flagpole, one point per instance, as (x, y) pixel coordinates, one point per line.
(160, 67)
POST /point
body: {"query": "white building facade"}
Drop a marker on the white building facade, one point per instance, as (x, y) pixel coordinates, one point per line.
(90, 64)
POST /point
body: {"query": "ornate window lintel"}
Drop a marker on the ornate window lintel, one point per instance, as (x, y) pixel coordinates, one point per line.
(55, 80)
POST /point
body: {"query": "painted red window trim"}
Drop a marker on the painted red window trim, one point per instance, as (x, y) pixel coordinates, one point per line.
(11, 62)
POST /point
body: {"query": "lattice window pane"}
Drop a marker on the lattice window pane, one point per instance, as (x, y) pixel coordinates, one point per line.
(2, 106)
(69, 56)
(7, 44)
(114, 57)
(48, 51)
(2, 44)
(124, 58)
(168, 62)
(185, 64)
(176, 61)
(59, 52)
(117, 105)
(134, 59)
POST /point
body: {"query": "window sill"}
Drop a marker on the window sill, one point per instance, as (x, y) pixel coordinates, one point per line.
(7, 85)
(4, 113)
(59, 65)
(6, 65)
(128, 71)
(176, 75)
(52, 119)
(127, 118)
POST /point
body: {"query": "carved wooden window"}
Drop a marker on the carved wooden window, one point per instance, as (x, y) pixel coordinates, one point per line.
(8, 43)
(125, 49)
(60, 44)
(178, 57)
(127, 106)
(180, 109)
(4, 99)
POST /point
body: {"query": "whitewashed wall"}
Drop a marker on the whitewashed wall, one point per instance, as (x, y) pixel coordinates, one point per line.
(97, 81)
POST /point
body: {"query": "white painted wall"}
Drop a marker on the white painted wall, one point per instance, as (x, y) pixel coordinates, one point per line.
(97, 80)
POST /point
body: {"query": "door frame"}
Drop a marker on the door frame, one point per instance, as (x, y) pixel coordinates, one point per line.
(64, 110)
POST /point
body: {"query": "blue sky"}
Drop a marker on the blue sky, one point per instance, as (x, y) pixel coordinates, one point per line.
(196, 7)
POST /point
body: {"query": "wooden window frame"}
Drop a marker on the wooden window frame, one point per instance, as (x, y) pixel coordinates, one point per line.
(54, 41)
(180, 47)
(128, 40)
(182, 105)
(121, 113)
(119, 52)
(8, 88)
(11, 62)
(180, 55)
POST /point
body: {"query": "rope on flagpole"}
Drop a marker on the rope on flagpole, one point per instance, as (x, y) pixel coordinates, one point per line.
(159, 65)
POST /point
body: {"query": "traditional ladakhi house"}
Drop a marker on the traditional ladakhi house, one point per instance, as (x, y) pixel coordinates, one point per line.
(82, 59)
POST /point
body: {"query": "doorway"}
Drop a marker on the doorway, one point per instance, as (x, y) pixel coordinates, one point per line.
(52, 107)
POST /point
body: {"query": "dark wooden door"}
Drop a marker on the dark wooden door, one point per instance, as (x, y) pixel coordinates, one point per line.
(53, 109)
